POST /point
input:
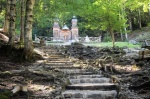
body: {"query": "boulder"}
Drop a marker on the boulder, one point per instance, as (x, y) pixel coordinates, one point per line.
(4, 38)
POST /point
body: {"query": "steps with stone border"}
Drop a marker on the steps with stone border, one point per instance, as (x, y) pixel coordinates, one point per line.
(89, 94)
(84, 84)
(90, 80)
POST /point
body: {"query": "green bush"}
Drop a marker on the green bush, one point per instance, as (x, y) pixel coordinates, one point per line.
(148, 24)
(107, 39)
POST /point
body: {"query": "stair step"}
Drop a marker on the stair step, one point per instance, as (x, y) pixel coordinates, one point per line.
(59, 61)
(59, 64)
(81, 73)
(90, 80)
(56, 55)
(89, 94)
(92, 86)
(52, 52)
(85, 76)
(56, 58)
(62, 67)
(73, 70)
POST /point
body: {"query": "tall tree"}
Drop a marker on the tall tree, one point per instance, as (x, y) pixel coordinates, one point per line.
(12, 22)
(28, 28)
(6, 22)
(22, 20)
(123, 14)
(105, 15)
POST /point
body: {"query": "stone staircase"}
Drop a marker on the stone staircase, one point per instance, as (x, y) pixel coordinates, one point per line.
(84, 84)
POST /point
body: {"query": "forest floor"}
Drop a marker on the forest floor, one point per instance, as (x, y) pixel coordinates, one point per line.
(30, 78)
(132, 75)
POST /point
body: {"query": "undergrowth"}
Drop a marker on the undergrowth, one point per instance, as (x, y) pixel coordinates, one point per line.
(16, 54)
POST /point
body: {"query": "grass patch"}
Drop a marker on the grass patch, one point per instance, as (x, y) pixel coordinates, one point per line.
(109, 44)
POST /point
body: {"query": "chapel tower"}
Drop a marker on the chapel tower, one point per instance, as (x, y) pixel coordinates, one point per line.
(56, 30)
(65, 34)
(74, 29)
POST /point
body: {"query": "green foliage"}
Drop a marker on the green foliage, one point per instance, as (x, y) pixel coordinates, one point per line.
(148, 24)
(2, 5)
(93, 15)
(107, 39)
(17, 32)
(1, 19)
(5, 94)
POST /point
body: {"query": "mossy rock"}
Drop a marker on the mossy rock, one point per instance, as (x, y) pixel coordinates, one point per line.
(3, 97)
(5, 94)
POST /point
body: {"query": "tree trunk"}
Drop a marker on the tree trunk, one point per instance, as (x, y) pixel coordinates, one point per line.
(139, 20)
(126, 35)
(28, 29)
(130, 22)
(125, 30)
(22, 20)
(112, 36)
(6, 23)
(12, 22)
(121, 34)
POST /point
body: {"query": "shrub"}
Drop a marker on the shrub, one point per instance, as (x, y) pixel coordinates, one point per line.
(107, 39)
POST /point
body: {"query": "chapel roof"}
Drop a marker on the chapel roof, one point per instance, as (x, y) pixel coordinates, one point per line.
(65, 27)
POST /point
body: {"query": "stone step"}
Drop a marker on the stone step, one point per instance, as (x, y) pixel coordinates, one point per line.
(80, 73)
(89, 94)
(53, 51)
(68, 71)
(85, 76)
(58, 61)
(56, 58)
(58, 64)
(92, 86)
(62, 67)
(49, 51)
(90, 80)
(56, 55)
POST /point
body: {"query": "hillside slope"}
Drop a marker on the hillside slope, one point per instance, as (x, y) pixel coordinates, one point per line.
(141, 34)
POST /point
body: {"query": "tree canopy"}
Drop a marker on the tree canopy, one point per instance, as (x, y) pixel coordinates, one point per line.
(94, 16)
